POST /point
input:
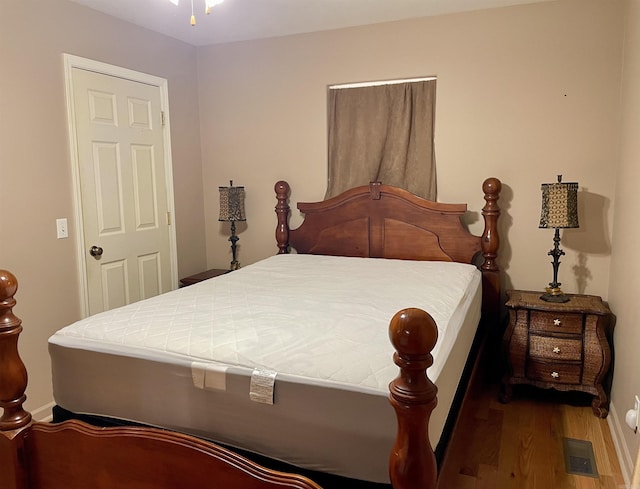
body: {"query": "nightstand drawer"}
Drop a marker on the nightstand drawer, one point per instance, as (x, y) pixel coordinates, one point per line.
(552, 322)
(554, 372)
(555, 349)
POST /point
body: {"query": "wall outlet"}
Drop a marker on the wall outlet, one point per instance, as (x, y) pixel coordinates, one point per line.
(61, 228)
(636, 407)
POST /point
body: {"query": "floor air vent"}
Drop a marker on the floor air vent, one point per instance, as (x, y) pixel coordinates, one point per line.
(579, 458)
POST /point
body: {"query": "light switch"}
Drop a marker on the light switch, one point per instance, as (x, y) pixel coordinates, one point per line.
(62, 229)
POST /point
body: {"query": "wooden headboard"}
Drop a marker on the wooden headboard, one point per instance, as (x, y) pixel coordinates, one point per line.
(381, 221)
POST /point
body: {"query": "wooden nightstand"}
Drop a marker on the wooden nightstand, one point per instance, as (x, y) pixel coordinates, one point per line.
(564, 346)
(199, 277)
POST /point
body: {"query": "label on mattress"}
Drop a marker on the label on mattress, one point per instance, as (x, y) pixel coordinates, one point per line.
(208, 376)
(262, 386)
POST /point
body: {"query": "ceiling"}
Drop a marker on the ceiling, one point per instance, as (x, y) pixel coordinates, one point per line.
(238, 20)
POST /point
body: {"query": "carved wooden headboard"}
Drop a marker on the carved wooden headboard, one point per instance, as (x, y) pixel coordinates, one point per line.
(381, 221)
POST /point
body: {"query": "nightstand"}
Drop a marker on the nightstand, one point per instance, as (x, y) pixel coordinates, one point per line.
(563, 346)
(199, 277)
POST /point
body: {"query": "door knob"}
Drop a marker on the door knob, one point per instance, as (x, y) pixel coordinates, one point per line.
(95, 251)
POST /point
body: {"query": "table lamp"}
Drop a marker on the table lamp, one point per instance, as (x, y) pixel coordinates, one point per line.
(232, 210)
(559, 210)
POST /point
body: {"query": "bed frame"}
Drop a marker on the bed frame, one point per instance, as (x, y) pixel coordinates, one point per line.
(369, 221)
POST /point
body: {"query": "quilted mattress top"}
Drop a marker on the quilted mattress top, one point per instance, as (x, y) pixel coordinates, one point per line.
(310, 316)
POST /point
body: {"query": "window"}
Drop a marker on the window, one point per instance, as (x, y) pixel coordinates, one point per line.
(382, 132)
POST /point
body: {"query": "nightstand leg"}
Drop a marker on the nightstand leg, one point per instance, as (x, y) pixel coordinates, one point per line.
(600, 403)
(506, 391)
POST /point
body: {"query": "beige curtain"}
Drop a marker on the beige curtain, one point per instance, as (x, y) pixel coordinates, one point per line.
(383, 133)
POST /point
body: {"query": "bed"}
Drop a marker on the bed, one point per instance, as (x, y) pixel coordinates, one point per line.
(336, 416)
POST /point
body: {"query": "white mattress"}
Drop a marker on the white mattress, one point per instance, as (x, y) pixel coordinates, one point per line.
(319, 324)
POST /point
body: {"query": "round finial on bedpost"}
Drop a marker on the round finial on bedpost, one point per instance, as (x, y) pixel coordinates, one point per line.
(412, 463)
(413, 332)
(282, 212)
(492, 186)
(13, 375)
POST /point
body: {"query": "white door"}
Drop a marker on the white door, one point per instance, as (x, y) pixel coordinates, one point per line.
(124, 199)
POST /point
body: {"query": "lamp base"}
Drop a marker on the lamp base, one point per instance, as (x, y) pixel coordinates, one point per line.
(554, 294)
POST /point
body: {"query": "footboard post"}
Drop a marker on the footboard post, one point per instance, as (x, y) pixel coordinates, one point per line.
(13, 384)
(13, 374)
(282, 212)
(412, 463)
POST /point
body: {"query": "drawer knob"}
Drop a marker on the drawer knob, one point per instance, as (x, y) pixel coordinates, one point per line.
(557, 322)
(556, 349)
(555, 375)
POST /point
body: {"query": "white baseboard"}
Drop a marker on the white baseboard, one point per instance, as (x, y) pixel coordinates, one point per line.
(43, 413)
(624, 457)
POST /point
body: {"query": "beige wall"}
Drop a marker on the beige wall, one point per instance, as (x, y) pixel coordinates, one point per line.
(35, 170)
(624, 289)
(524, 93)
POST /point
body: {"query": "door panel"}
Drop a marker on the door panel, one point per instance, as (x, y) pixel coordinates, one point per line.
(115, 289)
(123, 189)
(144, 187)
(149, 273)
(108, 189)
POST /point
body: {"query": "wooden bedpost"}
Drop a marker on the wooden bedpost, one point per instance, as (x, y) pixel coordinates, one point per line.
(13, 374)
(490, 243)
(412, 464)
(282, 212)
(13, 384)
(491, 333)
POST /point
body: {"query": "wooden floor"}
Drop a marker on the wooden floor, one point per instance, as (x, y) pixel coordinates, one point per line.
(519, 445)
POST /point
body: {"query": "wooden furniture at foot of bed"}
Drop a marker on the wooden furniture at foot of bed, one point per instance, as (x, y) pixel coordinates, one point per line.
(74, 455)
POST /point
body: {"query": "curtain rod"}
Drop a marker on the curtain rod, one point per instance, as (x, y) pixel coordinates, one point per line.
(377, 83)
